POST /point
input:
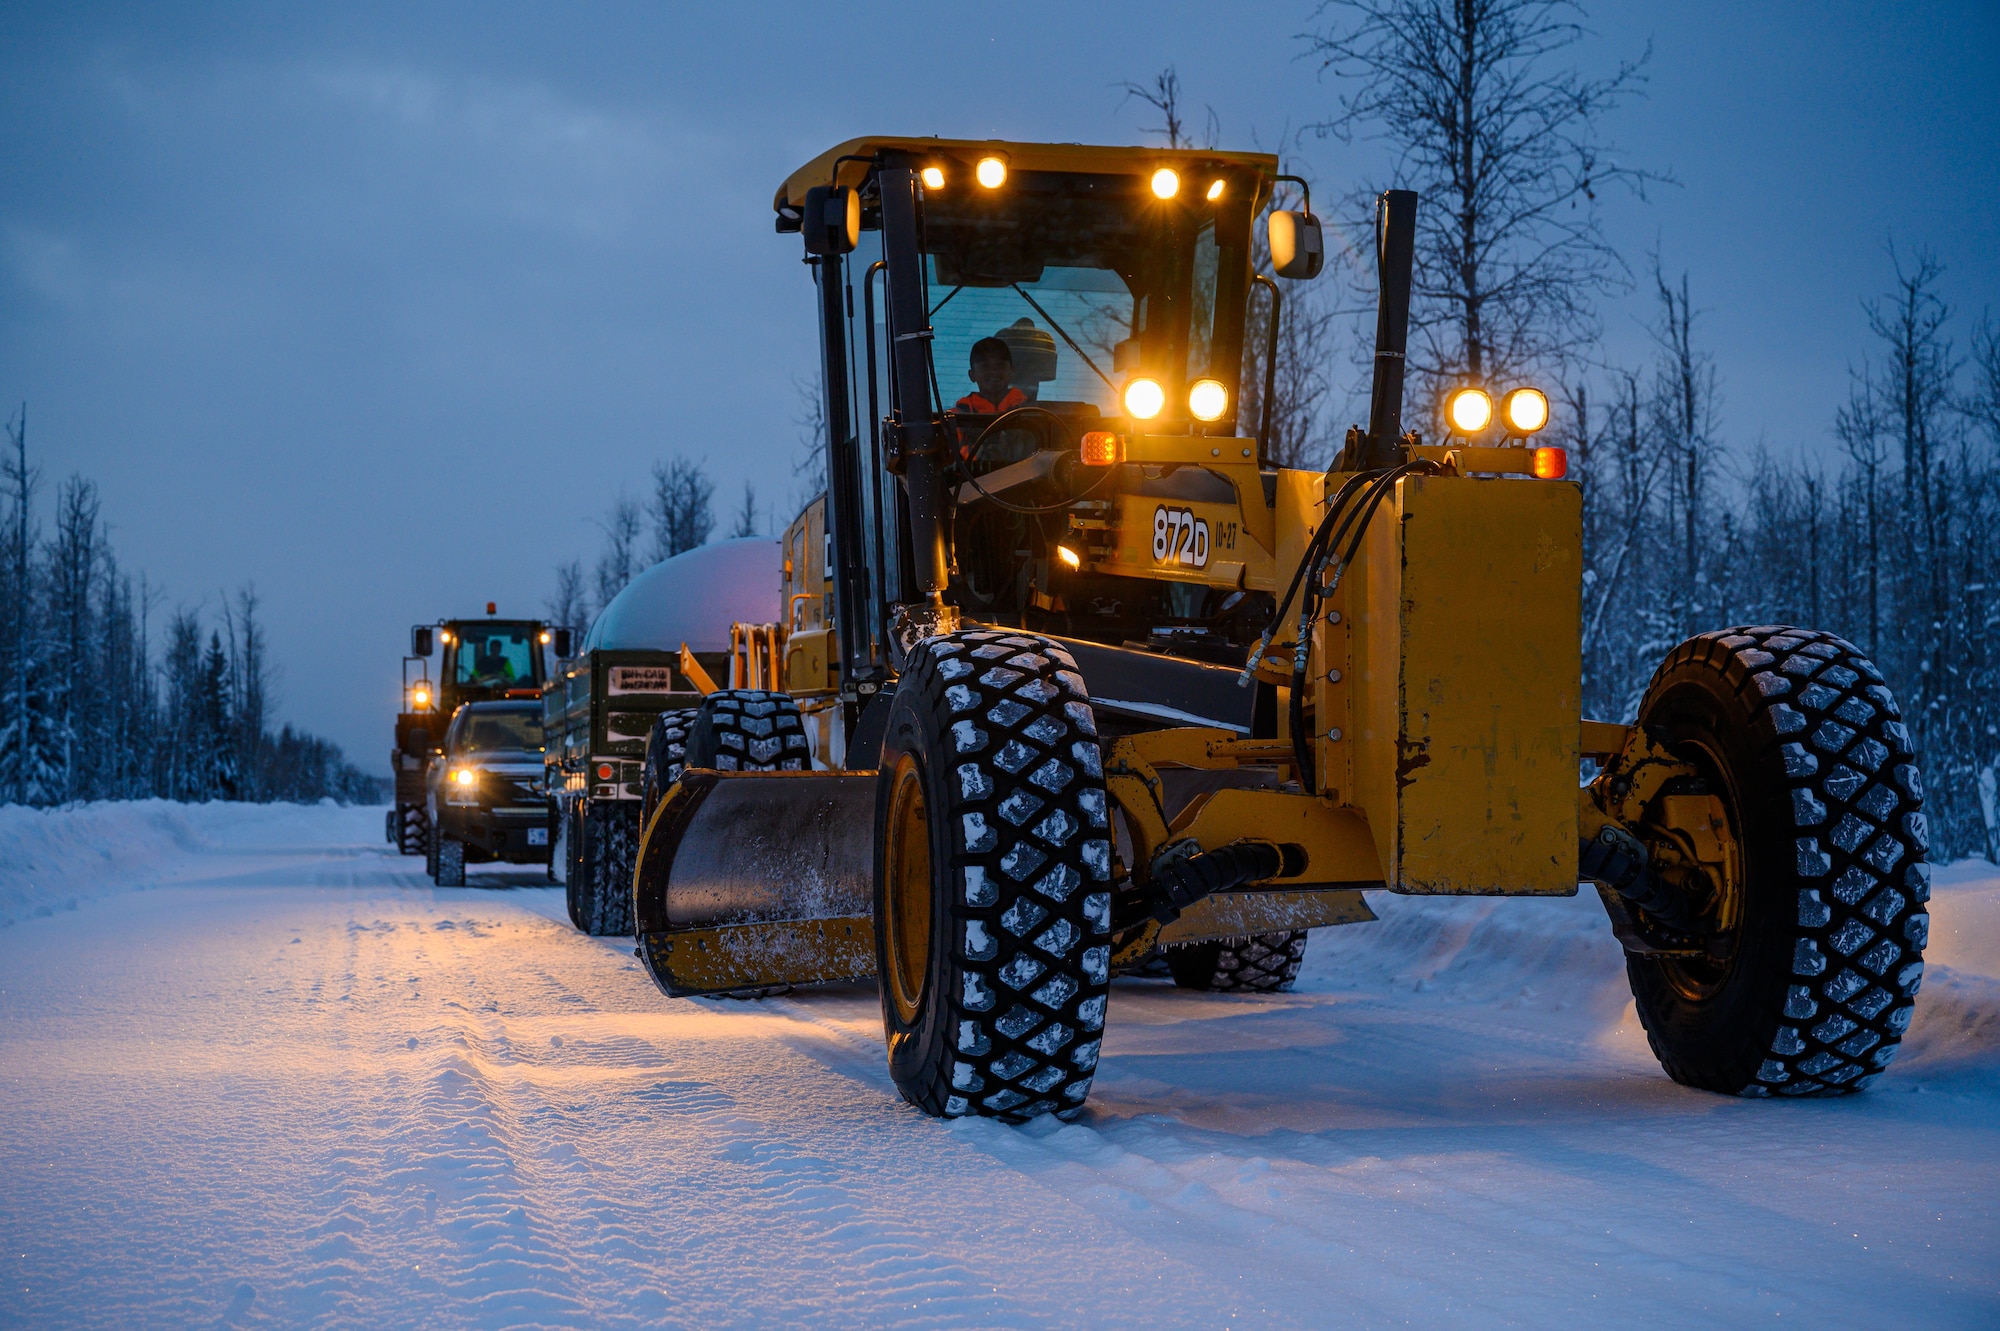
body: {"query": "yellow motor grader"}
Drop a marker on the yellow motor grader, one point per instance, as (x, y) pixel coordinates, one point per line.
(1090, 681)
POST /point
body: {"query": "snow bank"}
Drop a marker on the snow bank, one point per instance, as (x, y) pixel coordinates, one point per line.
(55, 859)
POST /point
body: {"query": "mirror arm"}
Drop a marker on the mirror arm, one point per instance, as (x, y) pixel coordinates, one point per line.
(1270, 369)
(1304, 189)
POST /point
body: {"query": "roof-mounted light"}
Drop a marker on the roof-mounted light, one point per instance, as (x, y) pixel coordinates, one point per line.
(1166, 183)
(991, 172)
(933, 177)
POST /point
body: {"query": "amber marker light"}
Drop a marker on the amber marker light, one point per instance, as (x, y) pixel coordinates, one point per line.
(1166, 183)
(1551, 464)
(1469, 410)
(991, 172)
(1069, 556)
(1525, 410)
(1208, 400)
(1101, 448)
(1144, 399)
(933, 176)
(1215, 190)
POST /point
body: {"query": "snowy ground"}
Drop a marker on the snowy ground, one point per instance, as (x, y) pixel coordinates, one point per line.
(254, 1069)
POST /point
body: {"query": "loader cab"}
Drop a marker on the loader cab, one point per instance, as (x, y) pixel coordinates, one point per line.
(492, 658)
(1118, 281)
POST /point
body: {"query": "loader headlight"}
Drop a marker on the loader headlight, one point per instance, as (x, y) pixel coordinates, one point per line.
(1525, 410)
(1069, 557)
(1144, 398)
(1469, 410)
(1166, 183)
(933, 177)
(991, 172)
(1208, 399)
(419, 699)
(1215, 189)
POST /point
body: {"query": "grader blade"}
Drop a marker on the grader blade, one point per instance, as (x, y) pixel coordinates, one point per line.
(749, 880)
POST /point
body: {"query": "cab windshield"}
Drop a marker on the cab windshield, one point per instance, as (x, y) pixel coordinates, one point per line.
(489, 732)
(1090, 281)
(496, 657)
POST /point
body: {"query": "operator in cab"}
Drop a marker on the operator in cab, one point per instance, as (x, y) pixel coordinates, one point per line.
(993, 371)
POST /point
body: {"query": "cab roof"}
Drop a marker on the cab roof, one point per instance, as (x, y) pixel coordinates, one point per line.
(1080, 157)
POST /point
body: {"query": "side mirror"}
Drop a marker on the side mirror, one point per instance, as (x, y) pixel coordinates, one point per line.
(562, 642)
(420, 640)
(832, 222)
(1296, 248)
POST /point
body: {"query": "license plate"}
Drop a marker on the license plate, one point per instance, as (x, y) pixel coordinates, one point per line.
(538, 836)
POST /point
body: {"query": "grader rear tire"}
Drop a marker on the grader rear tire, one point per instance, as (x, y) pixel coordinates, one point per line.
(1259, 964)
(992, 880)
(748, 730)
(1799, 735)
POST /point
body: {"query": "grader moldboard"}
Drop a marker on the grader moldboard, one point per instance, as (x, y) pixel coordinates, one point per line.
(1093, 678)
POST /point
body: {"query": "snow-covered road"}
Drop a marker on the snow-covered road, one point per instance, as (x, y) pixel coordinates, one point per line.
(290, 1082)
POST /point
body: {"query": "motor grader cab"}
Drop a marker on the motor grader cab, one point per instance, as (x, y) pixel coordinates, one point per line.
(1104, 677)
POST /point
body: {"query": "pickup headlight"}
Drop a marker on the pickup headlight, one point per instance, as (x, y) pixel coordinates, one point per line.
(461, 786)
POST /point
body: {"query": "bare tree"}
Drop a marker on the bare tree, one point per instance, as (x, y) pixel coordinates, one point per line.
(746, 516)
(616, 565)
(1501, 140)
(570, 606)
(1684, 409)
(809, 462)
(682, 518)
(1163, 94)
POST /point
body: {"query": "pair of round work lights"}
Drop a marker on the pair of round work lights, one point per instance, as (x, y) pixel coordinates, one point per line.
(991, 173)
(1522, 412)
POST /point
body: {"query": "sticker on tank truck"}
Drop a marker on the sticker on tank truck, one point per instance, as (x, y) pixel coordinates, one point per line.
(1179, 537)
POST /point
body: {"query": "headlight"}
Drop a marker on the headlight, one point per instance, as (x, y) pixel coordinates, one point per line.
(1525, 410)
(1166, 183)
(991, 172)
(1215, 190)
(933, 177)
(1469, 410)
(464, 776)
(1208, 400)
(1144, 398)
(420, 699)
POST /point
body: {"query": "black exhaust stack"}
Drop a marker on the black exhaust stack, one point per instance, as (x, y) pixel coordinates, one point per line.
(1395, 256)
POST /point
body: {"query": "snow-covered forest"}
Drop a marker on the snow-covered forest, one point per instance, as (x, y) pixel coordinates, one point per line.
(1884, 532)
(105, 697)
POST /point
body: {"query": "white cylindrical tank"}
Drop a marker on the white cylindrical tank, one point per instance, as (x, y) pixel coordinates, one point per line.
(693, 598)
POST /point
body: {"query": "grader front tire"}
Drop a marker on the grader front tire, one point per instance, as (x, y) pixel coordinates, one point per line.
(992, 880)
(1816, 770)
